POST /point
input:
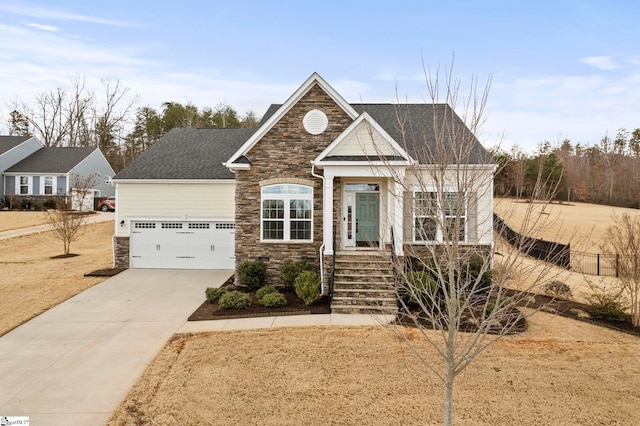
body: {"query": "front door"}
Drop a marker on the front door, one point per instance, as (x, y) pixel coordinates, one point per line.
(367, 219)
(361, 216)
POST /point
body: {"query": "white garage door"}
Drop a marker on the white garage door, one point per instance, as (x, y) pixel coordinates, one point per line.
(182, 245)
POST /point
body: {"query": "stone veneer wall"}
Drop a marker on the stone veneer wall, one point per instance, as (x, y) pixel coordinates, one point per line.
(283, 155)
(121, 252)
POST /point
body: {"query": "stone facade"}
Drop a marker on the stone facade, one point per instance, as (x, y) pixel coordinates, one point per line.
(121, 252)
(284, 155)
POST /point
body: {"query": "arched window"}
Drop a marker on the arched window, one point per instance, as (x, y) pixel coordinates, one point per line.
(287, 212)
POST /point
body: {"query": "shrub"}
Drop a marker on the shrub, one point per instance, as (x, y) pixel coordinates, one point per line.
(252, 274)
(307, 285)
(213, 294)
(558, 289)
(274, 300)
(610, 311)
(264, 291)
(234, 300)
(420, 286)
(290, 271)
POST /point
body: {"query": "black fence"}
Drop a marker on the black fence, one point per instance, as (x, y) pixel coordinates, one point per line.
(548, 251)
(607, 265)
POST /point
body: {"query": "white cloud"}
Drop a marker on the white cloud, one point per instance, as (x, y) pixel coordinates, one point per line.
(42, 27)
(604, 63)
(53, 14)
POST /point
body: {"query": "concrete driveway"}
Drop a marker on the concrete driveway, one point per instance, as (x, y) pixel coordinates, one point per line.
(73, 364)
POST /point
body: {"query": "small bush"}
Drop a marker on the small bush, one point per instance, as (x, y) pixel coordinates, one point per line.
(234, 300)
(213, 294)
(290, 271)
(307, 286)
(610, 311)
(420, 286)
(252, 274)
(263, 291)
(274, 300)
(558, 289)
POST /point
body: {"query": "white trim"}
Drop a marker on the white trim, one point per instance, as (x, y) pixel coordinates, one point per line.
(286, 220)
(352, 127)
(284, 108)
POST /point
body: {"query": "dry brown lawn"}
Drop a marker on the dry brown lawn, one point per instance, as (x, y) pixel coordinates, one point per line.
(15, 220)
(31, 282)
(560, 372)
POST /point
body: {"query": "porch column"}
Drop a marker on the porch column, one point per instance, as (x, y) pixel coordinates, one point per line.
(327, 214)
(398, 219)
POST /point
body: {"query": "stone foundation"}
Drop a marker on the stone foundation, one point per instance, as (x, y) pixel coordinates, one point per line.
(120, 252)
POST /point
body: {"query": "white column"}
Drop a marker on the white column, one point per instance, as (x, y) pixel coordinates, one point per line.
(327, 214)
(398, 219)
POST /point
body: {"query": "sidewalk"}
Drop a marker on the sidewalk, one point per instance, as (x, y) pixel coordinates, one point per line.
(13, 233)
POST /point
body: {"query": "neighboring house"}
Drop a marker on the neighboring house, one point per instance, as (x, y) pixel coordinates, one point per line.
(12, 150)
(317, 173)
(53, 171)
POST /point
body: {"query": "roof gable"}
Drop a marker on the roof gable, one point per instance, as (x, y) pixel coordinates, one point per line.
(268, 123)
(7, 143)
(364, 140)
(54, 160)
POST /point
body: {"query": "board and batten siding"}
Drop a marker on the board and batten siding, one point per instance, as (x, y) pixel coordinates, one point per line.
(181, 201)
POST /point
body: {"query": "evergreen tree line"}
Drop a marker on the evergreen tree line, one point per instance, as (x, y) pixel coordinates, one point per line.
(606, 173)
(76, 117)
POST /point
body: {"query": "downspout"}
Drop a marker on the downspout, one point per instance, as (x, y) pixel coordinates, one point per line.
(321, 253)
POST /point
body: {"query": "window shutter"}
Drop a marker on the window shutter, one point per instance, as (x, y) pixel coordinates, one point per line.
(407, 217)
(472, 212)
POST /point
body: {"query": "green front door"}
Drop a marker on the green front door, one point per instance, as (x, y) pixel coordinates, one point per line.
(367, 219)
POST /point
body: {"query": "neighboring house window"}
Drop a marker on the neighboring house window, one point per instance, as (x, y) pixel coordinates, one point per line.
(48, 185)
(24, 185)
(287, 212)
(435, 216)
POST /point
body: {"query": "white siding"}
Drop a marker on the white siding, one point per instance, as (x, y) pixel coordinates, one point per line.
(364, 140)
(479, 181)
(186, 200)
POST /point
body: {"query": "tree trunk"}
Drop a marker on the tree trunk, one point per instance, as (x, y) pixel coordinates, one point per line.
(448, 399)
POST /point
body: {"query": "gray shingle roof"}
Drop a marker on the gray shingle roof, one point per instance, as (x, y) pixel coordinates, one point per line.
(412, 126)
(9, 142)
(51, 160)
(188, 154)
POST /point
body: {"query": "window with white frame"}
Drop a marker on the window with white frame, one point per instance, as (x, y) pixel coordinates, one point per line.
(439, 216)
(23, 185)
(287, 212)
(48, 185)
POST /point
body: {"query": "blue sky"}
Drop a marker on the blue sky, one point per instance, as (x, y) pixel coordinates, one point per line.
(560, 69)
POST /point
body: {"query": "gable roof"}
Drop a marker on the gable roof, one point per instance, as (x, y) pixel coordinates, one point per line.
(186, 153)
(267, 122)
(9, 142)
(52, 160)
(412, 127)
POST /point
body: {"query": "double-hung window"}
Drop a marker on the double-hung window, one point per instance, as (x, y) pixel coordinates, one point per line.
(440, 217)
(24, 185)
(287, 212)
(48, 185)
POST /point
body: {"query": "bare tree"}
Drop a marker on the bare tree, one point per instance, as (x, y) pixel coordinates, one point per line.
(70, 216)
(622, 241)
(445, 284)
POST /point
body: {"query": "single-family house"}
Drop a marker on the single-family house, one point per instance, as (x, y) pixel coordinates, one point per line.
(50, 171)
(12, 150)
(319, 179)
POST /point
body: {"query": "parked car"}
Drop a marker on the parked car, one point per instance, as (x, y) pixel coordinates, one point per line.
(107, 204)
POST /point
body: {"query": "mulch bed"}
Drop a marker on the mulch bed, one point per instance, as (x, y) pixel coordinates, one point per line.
(295, 306)
(107, 272)
(64, 256)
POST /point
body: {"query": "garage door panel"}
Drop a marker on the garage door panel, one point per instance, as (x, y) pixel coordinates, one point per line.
(183, 245)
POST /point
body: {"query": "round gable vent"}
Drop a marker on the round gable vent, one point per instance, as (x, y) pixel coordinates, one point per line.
(315, 122)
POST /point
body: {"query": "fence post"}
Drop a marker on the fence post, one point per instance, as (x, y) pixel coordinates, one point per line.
(617, 264)
(598, 265)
